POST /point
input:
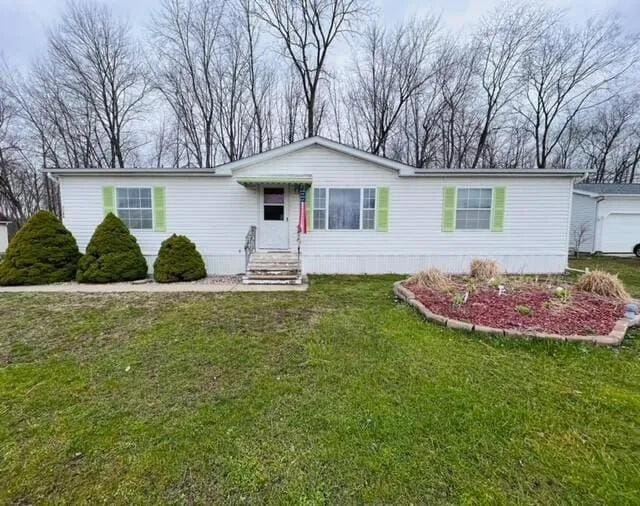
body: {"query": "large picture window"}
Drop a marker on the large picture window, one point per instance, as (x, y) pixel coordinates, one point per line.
(134, 207)
(344, 208)
(473, 208)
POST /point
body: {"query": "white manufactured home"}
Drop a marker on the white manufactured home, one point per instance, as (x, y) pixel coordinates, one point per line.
(606, 218)
(333, 209)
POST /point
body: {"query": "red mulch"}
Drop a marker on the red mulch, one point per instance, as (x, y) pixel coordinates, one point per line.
(583, 314)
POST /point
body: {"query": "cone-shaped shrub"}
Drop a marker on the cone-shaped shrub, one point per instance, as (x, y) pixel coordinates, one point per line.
(178, 260)
(43, 251)
(112, 255)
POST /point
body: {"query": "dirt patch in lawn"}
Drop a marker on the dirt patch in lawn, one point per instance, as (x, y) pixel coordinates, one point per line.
(524, 306)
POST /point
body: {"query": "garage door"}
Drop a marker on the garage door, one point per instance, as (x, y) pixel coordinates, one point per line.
(620, 233)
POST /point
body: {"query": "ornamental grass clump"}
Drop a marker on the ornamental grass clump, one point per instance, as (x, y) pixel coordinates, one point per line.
(602, 283)
(43, 251)
(432, 278)
(178, 260)
(484, 269)
(113, 254)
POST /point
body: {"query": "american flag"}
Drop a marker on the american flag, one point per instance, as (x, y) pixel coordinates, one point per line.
(302, 216)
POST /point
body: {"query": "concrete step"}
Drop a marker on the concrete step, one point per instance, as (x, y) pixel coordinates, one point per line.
(273, 268)
(273, 274)
(267, 263)
(253, 275)
(251, 281)
(253, 267)
(274, 255)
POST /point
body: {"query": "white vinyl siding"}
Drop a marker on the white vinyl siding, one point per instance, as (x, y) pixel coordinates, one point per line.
(216, 213)
(4, 237)
(583, 223)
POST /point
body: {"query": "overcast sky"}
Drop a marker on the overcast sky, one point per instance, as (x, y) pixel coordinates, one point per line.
(23, 23)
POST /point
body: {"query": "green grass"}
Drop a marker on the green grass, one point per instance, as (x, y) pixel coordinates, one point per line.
(338, 395)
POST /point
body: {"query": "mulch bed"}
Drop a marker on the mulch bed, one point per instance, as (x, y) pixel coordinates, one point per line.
(582, 314)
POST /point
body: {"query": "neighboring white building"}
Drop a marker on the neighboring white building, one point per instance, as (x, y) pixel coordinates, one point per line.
(366, 214)
(606, 218)
(4, 235)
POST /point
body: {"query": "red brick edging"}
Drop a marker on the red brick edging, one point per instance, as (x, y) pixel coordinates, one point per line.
(614, 338)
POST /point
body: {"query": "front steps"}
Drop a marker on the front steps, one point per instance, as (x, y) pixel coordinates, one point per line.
(273, 268)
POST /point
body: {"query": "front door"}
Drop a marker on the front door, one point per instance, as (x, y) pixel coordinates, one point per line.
(273, 228)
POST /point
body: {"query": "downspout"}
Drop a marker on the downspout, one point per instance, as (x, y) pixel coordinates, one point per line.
(597, 238)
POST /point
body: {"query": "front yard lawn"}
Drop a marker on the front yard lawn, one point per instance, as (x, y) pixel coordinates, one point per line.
(337, 395)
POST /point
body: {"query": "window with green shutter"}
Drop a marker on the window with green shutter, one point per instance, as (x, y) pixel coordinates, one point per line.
(473, 208)
(348, 209)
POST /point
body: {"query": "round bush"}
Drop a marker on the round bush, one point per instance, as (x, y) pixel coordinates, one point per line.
(113, 254)
(178, 260)
(43, 251)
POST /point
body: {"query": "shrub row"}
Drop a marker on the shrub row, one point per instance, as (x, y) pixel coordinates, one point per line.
(44, 251)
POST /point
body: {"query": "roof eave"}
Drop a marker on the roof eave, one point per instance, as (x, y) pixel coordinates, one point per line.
(499, 173)
(133, 172)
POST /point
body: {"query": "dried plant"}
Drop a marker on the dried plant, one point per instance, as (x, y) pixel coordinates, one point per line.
(602, 283)
(484, 269)
(432, 278)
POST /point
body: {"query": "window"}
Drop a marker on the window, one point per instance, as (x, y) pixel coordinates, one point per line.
(273, 204)
(134, 207)
(344, 208)
(319, 208)
(369, 208)
(473, 209)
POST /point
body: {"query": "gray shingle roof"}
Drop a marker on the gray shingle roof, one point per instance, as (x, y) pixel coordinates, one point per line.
(609, 188)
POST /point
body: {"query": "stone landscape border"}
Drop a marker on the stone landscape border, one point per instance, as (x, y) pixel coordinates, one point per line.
(614, 338)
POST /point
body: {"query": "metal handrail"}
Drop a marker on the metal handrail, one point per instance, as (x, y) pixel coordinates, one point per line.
(249, 245)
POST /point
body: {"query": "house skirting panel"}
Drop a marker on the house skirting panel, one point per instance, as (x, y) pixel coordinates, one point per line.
(393, 264)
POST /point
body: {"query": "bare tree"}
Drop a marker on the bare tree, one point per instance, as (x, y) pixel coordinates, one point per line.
(505, 36)
(261, 75)
(307, 29)
(22, 188)
(186, 38)
(459, 122)
(568, 72)
(98, 66)
(391, 68)
(290, 114)
(580, 235)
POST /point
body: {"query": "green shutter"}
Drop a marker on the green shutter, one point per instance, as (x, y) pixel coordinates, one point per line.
(109, 199)
(498, 205)
(449, 209)
(382, 218)
(309, 197)
(159, 209)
